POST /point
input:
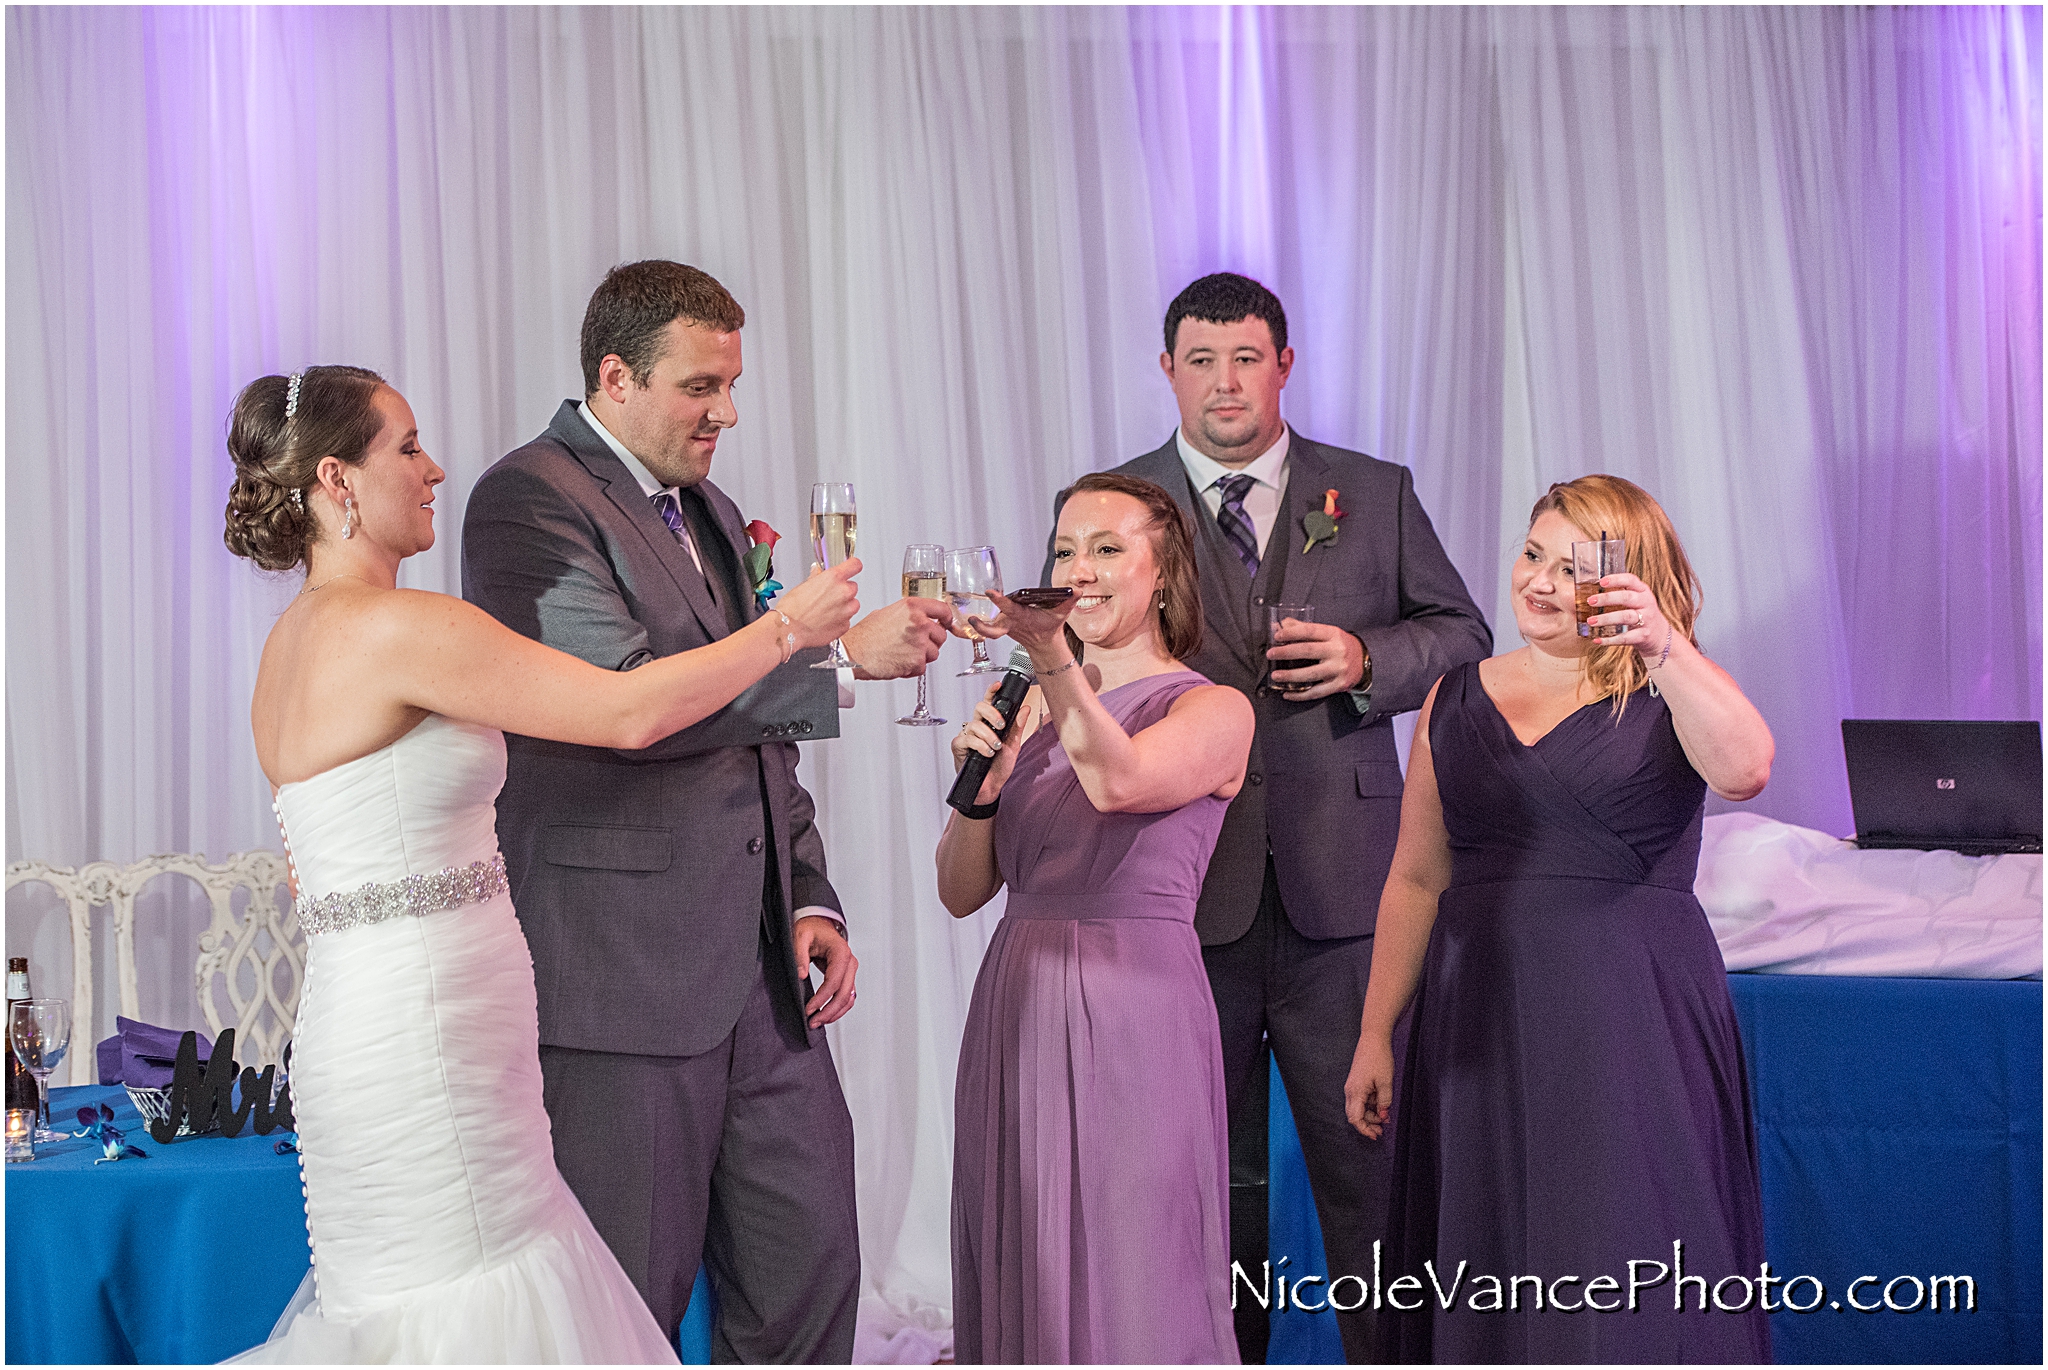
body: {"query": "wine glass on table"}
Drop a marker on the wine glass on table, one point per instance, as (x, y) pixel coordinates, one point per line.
(39, 1030)
(924, 577)
(832, 525)
(971, 575)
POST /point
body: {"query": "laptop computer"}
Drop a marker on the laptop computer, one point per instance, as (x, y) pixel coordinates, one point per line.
(1973, 788)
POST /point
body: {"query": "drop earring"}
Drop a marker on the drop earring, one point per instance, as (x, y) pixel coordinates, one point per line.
(348, 516)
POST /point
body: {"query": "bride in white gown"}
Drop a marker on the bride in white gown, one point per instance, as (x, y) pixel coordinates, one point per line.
(441, 1230)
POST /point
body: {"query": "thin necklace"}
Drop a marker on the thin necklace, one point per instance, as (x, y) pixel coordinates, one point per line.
(345, 575)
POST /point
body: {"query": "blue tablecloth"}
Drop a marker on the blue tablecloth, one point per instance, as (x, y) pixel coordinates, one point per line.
(188, 1255)
(1899, 1130)
(1899, 1133)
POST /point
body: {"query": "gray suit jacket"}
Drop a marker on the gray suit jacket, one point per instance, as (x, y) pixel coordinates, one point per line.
(640, 876)
(1323, 788)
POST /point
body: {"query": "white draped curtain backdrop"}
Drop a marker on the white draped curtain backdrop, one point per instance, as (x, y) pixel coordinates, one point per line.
(1780, 266)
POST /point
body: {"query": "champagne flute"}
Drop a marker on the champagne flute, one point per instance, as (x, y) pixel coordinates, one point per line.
(39, 1030)
(924, 577)
(832, 525)
(971, 574)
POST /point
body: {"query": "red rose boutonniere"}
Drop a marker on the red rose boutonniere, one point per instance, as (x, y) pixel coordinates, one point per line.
(1321, 524)
(760, 562)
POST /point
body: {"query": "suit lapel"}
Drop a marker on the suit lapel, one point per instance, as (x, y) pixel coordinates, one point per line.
(631, 501)
(1307, 478)
(727, 515)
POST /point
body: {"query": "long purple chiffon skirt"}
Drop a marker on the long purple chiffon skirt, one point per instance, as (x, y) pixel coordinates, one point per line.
(1091, 1164)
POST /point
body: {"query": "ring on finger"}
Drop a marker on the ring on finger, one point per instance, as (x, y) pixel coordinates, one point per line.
(1639, 618)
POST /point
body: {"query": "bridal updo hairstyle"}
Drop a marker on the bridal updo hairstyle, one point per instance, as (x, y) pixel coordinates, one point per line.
(275, 457)
(1173, 547)
(1624, 509)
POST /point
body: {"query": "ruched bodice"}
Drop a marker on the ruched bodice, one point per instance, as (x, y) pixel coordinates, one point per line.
(1594, 798)
(423, 804)
(441, 1230)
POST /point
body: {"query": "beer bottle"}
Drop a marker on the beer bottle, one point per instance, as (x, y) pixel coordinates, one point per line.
(21, 1086)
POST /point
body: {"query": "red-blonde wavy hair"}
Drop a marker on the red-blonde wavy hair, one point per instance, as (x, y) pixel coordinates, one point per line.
(1609, 505)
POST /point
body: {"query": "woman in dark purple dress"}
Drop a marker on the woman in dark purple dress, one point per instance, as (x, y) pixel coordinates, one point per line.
(1091, 1164)
(1573, 1112)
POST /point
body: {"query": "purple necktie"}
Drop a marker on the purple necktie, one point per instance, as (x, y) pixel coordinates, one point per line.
(665, 505)
(672, 515)
(1236, 525)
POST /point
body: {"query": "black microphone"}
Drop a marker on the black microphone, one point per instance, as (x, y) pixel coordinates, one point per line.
(1016, 680)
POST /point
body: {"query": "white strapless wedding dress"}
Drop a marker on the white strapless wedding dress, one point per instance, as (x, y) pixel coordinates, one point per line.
(441, 1229)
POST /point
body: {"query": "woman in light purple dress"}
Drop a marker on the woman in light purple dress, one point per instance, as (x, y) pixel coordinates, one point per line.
(1091, 1163)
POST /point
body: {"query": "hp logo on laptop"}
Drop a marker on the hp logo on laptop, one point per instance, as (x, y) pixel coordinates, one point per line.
(1944, 784)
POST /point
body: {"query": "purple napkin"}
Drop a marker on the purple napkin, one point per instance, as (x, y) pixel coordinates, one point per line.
(142, 1054)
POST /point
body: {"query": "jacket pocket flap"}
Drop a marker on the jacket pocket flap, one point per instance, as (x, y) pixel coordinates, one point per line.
(1379, 779)
(609, 849)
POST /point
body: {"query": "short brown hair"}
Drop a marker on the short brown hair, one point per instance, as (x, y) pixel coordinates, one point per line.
(1609, 506)
(1173, 546)
(634, 305)
(276, 457)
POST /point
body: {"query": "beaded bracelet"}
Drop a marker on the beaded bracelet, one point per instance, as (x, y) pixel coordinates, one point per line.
(1072, 662)
(788, 638)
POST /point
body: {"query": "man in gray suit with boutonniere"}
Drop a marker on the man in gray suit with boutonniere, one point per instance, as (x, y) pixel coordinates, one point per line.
(675, 897)
(1287, 909)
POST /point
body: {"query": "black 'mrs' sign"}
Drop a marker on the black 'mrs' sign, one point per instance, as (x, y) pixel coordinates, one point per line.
(204, 1094)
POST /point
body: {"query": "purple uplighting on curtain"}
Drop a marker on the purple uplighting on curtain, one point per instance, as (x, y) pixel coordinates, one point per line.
(1781, 266)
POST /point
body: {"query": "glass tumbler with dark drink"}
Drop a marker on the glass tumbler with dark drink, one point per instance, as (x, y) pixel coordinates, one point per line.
(1276, 615)
(1603, 556)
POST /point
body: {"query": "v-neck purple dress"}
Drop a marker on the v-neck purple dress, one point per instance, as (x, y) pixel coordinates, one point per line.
(1091, 1157)
(1574, 1096)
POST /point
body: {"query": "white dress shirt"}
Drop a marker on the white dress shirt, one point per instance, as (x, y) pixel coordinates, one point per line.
(1269, 482)
(648, 484)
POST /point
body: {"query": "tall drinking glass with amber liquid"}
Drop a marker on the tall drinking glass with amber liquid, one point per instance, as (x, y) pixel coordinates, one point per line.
(924, 577)
(832, 526)
(1603, 556)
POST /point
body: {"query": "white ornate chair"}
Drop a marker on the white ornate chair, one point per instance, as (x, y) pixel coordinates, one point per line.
(263, 1020)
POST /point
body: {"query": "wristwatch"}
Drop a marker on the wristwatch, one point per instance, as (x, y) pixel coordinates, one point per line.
(1361, 693)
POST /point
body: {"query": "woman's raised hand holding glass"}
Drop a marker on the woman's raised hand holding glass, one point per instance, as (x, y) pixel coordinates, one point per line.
(821, 606)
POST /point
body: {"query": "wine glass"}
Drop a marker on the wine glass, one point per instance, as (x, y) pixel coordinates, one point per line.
(924, 577)
(832, 525)
(40, 1032)
(971, 573)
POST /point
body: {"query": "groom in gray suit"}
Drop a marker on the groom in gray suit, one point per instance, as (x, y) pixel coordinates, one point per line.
(1287, 909)
(675, 897)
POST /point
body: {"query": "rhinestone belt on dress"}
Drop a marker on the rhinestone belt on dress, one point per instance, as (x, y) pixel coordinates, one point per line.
(428, 892)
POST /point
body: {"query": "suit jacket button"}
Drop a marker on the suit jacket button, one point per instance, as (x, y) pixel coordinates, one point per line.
(753, 846)
(768, 731)
(804, 726)
(1256, 778)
